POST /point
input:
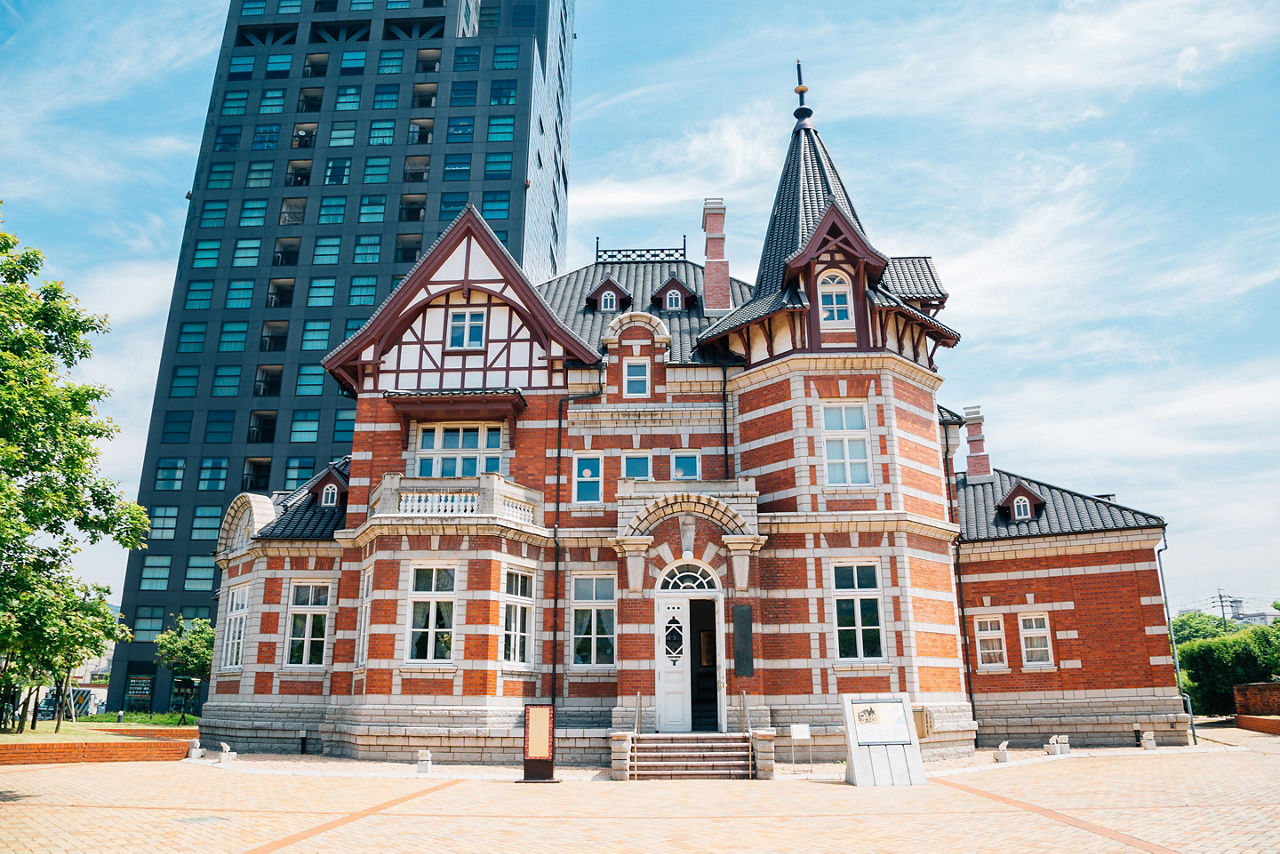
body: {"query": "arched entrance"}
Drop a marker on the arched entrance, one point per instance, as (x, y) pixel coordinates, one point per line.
(689, 663)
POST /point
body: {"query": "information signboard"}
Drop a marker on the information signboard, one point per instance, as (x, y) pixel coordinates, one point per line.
(539, 743)
(884, 749)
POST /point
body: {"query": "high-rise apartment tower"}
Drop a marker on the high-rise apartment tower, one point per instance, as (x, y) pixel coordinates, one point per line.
(343, 136)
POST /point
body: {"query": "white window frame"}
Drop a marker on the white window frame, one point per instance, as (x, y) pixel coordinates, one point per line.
(845, 439)
(579, 480)
(674, 300)
(233, 627)
(487, 459)
(857, 594)
(608, 301)
(835, 283)
(648, 465)
(435, 597)
(466, 319)
(697, 456)
(1025, 634)
(643, 365)
(366, 605)
(329, 496)
(594, 605)
(517, 616)
(1021, 508)
(309, 610)
(990, 627)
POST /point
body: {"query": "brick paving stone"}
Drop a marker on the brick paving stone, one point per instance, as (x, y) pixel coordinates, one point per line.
(1187, 800)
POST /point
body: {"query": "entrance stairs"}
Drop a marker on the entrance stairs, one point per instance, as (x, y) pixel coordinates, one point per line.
(691, 756)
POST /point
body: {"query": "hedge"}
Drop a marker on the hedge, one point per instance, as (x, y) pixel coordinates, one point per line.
(1216, 665)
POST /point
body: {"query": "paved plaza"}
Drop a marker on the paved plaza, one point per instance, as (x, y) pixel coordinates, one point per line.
(1215, 798)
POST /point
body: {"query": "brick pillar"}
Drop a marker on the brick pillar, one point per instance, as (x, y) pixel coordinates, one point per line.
(716, 298)
(978, 464)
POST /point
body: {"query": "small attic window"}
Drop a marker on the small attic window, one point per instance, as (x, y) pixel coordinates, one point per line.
(329, 496)
(608, 301)
(674, 301)
(835, 297)
(1021, 508)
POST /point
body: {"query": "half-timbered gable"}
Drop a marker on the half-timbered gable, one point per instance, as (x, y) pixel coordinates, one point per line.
(465, 318)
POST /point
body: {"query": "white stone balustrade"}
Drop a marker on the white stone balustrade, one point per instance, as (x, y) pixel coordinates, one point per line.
(463, 498)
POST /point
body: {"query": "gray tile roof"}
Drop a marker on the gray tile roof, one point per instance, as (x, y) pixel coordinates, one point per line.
(912, 278)
(567, 297)
(808, 186)
(1064, 511)
(301, 518)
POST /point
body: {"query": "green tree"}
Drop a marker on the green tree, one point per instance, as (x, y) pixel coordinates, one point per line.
(51, 493)
(1197, 625)
(1216, 665)
(187, 650)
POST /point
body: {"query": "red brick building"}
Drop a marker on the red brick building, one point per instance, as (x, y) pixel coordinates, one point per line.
(647, 491)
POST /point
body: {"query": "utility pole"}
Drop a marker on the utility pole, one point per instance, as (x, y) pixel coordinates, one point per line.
(1222, 604)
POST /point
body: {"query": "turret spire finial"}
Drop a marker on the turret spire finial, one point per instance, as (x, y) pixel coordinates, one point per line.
(802, 112)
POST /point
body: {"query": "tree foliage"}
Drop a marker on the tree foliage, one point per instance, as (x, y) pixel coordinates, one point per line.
(1197, 625)
(187, 648)
(1216, 665)
(51, 493)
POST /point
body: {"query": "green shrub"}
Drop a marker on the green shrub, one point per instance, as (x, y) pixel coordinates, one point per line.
(1216, 665)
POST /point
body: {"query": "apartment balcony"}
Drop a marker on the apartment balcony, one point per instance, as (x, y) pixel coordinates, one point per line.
(489, 498)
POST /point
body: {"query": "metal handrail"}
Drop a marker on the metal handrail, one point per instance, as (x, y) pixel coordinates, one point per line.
(746, 715)
(636, 729)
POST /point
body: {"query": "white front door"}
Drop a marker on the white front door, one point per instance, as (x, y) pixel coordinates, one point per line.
(673, 683)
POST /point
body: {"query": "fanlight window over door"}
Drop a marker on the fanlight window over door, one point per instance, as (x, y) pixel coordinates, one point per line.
(688, 576)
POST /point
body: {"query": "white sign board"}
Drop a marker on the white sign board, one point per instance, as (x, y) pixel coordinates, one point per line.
(880, 732)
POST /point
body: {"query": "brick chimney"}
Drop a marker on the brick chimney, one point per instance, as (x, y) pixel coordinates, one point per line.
(716, 298)
(978, 464)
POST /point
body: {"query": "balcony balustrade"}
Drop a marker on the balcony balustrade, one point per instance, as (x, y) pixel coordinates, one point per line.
(489, 497)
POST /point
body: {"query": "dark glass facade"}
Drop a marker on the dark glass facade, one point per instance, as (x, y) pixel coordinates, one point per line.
(342, 137)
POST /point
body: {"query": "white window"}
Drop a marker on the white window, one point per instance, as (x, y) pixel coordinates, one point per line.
(586, 480)
(366, 604)
(329, 496)
(835, 298)
(674, 302)
(517, 618)
(990, 635)
(431, 615)
(845, 442)
(593, 611)
(636, 466)
(466, 329)
(308, 616)
(1021, 508)
(635, 378)
(859, 627)
(233, 627)
(608, 301)
(685, 466)
(1036, 651)
(459, 449)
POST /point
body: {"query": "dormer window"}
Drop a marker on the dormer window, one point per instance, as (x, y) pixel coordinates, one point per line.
(836, 298)
(1021, 508)
(674, 302)
(329, 496)
(608, 301)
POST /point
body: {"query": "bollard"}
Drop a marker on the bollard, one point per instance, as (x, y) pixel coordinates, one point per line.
(120, 716)
(194, 750)
(228, 755)
(1059, 745)
(1148, 741)
(424, 762)
(1002, 752)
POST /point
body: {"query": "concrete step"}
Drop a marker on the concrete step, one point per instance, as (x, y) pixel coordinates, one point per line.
(691, 775)
(682, 755)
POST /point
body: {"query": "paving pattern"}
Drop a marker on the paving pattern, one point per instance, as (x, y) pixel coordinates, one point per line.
(1216, 799)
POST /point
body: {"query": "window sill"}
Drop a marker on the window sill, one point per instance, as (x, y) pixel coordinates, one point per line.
(861, 664)
(304, 668)
(994, 671)
(519, 667)
(465, 351)
(593, 669)
(853, 487)
(1039, 668)
(429, 665)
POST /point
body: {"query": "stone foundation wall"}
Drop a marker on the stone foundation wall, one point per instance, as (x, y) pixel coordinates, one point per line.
(261, 727)
(1028, 721)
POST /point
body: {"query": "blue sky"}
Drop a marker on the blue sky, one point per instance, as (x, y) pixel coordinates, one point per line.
(1096, 182)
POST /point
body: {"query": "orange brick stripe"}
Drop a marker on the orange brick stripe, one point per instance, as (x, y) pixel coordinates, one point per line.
(45, 753)
(347, 819)
(1113, 835)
